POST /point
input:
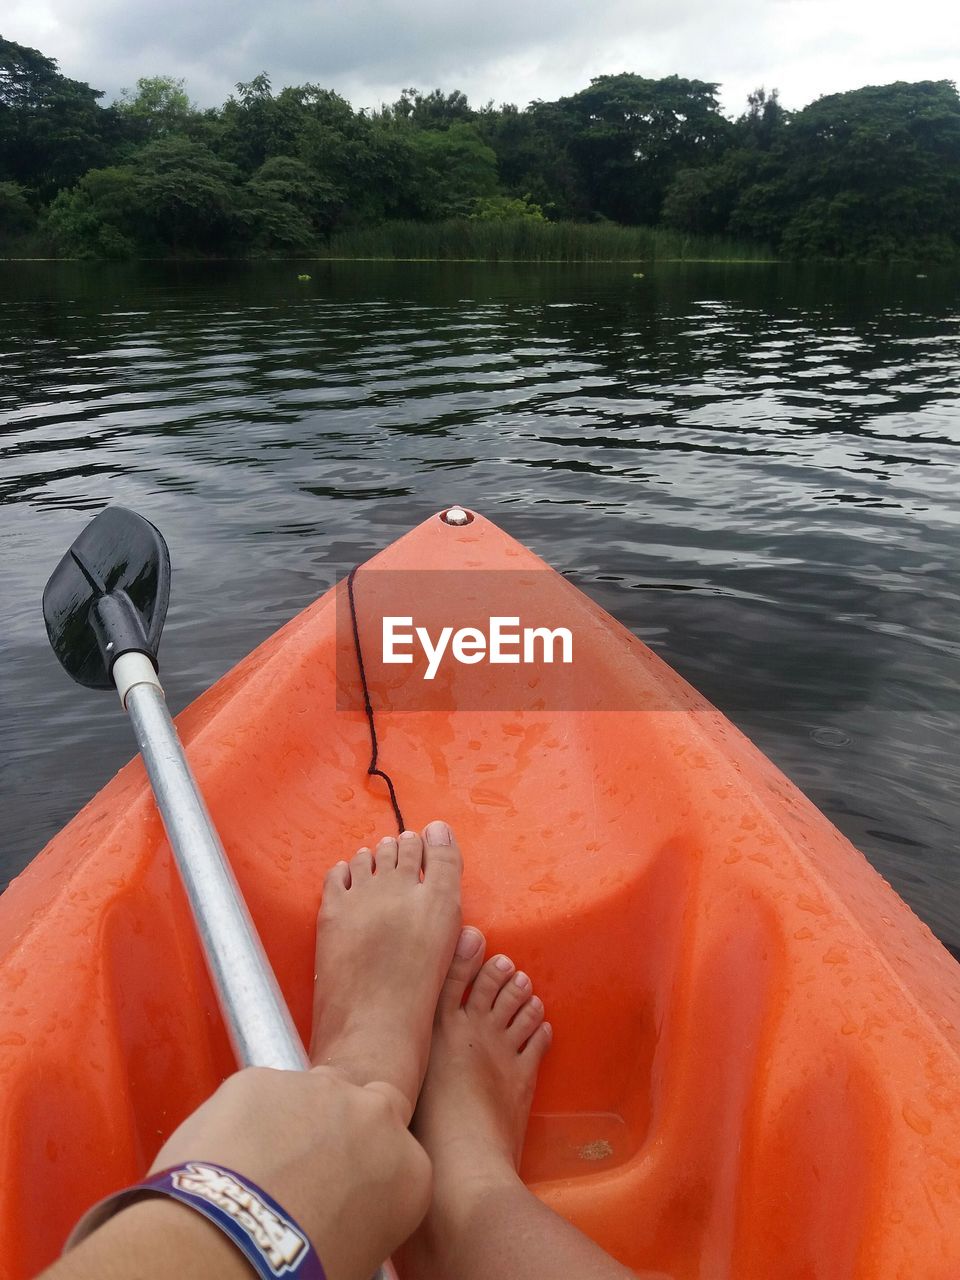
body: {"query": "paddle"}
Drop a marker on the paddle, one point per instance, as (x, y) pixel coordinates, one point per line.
(104, 607)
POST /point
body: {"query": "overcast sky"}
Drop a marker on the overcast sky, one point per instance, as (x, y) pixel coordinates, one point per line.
(507, 50)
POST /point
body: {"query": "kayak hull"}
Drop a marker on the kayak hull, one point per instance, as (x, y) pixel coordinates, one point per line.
(756, 1057)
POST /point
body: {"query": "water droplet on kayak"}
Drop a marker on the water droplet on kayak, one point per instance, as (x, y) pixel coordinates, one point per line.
(916, 1119)
(816, 906)
(828, 737)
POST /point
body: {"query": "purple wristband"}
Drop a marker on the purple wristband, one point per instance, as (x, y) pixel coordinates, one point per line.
(272, 1242)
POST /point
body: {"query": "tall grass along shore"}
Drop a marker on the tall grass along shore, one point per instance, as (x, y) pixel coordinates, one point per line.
(524, 240)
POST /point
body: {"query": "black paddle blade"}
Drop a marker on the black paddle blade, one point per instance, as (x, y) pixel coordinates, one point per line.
(108, 596)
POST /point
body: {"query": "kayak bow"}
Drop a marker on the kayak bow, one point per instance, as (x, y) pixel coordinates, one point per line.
(756, 1056)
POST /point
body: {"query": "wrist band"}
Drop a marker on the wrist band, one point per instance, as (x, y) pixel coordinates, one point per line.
(272, 1242)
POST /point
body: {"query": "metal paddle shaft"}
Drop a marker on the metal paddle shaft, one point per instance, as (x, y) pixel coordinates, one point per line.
(257, 1018)
(254, 1011)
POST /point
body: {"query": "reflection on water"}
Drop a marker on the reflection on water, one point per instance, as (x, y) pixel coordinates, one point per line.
(755, 468)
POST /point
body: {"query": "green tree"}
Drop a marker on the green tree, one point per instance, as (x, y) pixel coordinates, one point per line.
(870, 173)
(434, 110)
(187, 196)
(17, 215)
(762, 122)
(160, 106)
(701, 200)
(51, 128)
(534, 150)
(256, 125)
(633, 135)
(287, 207)
(99, 217)
(175, 197)
(451, 169)
(384, 187)
(506, 209)
(334, 140)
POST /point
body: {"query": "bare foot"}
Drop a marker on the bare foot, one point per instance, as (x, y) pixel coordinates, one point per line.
(473, 1109)
(385, 941)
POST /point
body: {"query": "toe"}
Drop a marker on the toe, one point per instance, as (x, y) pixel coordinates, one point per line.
(385, 857)
(410, 856)
(511, 996)
(361, 866)
(529, 1017)
(337, 879)
(442, 860)
(489, 982)
(464, 967)
(538, 1044)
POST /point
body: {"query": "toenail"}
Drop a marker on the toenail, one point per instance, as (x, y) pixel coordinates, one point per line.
(363, 850)
(547, 1029)
(521, 979)
(408, 835)
(438, 833)
(536, 1003)
(503, 964)
(469, 942)
(385, 840)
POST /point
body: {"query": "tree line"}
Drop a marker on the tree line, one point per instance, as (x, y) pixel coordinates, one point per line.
(869, 174)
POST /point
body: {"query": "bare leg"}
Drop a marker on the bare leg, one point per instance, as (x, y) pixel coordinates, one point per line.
(389, 922)
(471, 1119)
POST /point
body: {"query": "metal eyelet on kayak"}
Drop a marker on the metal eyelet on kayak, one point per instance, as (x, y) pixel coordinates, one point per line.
(456, 516)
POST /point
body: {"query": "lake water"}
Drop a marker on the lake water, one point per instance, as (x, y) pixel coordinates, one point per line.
(756, 468)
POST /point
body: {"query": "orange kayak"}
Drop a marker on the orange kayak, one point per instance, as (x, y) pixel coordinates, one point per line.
(756, 1062)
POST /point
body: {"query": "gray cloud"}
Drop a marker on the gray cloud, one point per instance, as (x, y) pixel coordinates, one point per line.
(513, 50)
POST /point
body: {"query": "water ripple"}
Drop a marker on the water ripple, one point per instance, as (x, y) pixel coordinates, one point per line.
(755, 469)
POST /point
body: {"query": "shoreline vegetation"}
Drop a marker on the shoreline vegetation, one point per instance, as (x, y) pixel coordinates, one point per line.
(475, 240)
(469, 240)
(626, 170)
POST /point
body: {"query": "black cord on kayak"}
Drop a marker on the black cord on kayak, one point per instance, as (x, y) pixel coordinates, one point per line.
(372, 769)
